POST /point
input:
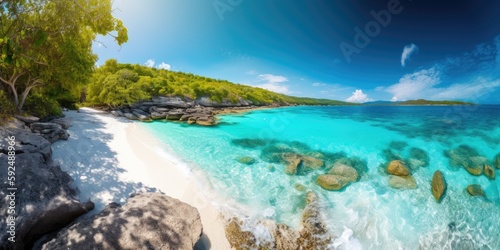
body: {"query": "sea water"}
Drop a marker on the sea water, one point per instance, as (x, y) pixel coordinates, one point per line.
(379, 216)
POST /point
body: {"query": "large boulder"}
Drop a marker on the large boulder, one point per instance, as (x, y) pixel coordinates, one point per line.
(130, 116)
(117, 113)
(475, 190)
(65, 123)
(51, 131)
(44, 200)
(349, 173)
(27, 119)
(332, 182)
(15, 123)
(26, 142)
(146, 221)
(402, 182)
(489, 172)
(438, 185)
(398, 168)
(206, 102)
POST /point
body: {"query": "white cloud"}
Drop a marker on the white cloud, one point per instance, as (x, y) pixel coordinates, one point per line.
(358, 96)
(408, 50)
(150, 63)
(163, 65)
(318, 84)
(273, 83)
(417, 84)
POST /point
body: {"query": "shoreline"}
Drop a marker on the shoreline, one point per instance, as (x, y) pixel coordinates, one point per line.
(122, 158)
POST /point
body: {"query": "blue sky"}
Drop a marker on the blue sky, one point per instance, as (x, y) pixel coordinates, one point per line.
(345, 50)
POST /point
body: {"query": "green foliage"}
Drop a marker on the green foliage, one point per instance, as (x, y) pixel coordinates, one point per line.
(47, 44)
(41, 106)
(7, 109)
(115, 84)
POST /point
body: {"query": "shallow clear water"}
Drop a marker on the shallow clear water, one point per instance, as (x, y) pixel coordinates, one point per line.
(380, 216)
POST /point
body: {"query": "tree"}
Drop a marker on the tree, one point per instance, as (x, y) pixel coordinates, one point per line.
(49, 43)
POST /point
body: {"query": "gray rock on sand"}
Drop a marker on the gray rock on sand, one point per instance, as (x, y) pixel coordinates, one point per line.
(44, 199)
(117, 113)
(26, 142)
(131, 116)
(146, 221)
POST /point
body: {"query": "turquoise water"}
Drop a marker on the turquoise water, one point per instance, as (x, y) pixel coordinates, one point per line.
(379, 216)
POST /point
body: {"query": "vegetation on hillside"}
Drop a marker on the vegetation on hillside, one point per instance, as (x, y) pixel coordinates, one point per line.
(116, 84)
(46, 47)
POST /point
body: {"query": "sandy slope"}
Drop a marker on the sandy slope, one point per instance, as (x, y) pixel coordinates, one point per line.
(109, 158)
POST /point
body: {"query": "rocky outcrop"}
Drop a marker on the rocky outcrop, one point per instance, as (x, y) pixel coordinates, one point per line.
(476, 171)
(349, 173)
(292, 162)
(51, 131)
(402, 182)
(489, 172)
(438, 185)
(44, 200)
(146, 221)
(475, 190)
(26, 142)
(397, 168)
(201, 111)
(313, 233)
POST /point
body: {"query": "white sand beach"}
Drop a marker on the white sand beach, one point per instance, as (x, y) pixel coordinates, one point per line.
(109, 158)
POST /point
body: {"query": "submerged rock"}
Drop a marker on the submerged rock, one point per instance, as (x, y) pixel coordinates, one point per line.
(250, 143)
(398, 168)
(418, 158)
(292, 162)
(476, 171)
(332, 182)
(462, 156)
(489, 172)
(147, 221)
(402, 182)
(314, 233)
(349, 173)
(246, 160)
(438, 185)
(311, 162)
(475, 190)
(496, 161)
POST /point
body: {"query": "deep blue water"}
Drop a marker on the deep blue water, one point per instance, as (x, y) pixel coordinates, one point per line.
(381, 217)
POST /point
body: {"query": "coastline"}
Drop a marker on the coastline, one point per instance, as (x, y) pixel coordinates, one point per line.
(109, 158)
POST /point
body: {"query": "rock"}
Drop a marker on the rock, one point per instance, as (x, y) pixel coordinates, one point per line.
(158, 109)
(292, 162)
(44, 200)
(206, 121)
(311, 162)
(246, 160)
(174, 115)
(237, 238)
(26, 142)
(314, 233)
(476, 171)
(349, 173)
(475, 190)
(142, 115)
(496, 161)
(65, 123)
(146, 221)
(158, 116)
(398, 168)
(402, 182)
(117, 113)
(131, 116)
(438, 185)
(285, 238)
(27, 119)
(50, 131)
(171, 102)
(206, 102)
(15, 123)
(418, 158)
(464, 155)
(489, 172)
(299, 187)
(332, 182)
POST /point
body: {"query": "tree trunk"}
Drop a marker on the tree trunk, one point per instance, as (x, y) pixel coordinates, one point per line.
(25, 94)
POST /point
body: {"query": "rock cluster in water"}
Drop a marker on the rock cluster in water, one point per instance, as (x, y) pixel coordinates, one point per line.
(313, 233)
(201, 111)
